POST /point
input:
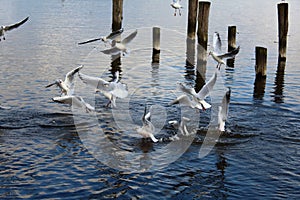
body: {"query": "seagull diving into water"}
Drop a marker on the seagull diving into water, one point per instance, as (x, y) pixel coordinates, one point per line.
(176, 5)
(216, 53)
(147, 129)
(120, 47)
(111, 90)
(4, 29)
(182, 128)
(223, 110)
(197, 98)
(112, 36)
(66, 86)
(74, 100)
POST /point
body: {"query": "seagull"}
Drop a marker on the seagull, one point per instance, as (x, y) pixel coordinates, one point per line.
(74, 100)
(202, 94)
(4, 29)
(181, 126)
(176, 5)
(223, 110)
(186, 101)
(118, 47)
(216, 53)
(217, 43)
(105, 39)
(147, 129)
(4, 107)
(111, 90)
(66, 86)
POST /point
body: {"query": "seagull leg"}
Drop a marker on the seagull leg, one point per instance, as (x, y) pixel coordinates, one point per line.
(179, 12)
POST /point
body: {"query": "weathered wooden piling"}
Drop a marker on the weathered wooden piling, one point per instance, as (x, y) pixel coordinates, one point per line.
(231, 43)
(192, 18)
(203, 15)
(283, 24)
(260, 62)
(261, 72)
(190, 52)
(117, 15)
(155, 44)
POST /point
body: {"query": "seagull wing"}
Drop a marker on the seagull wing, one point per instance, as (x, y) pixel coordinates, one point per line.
(129, 38)
(204, 92)
(217, 44)
(64, 99)
(230, 54)
(115, 34)
(225, 104)
(118, 89)
(187, 90)
(89, 41)
(112, 51)
(16, 25)
(70, 76)
(96, 82)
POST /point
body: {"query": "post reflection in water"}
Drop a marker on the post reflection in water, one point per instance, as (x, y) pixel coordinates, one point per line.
(279, 82)
(201, 67)
(259, 88)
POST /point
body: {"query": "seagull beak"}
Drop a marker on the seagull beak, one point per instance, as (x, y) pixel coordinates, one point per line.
(50, 85)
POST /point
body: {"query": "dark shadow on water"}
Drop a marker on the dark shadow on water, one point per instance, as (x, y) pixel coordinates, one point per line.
(279, 82)
(259, 88)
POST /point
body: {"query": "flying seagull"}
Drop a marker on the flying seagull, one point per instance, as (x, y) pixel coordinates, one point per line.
(4, 29)
(111, 90)
(223, 110)
(177, 6)
(105, 39)
(216, 53)
(186, 101)
(202, 94)
(120, 47)
(66, 86)
(74, 100)
(147, 129)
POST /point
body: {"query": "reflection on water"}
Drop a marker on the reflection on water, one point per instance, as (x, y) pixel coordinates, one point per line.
(279, 82)
(259, 88)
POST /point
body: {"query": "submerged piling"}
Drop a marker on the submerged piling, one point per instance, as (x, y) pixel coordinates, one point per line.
(117, 15)
(155, 44)
(283, 24)
(192, 19)
(231, 44)
(260, 62)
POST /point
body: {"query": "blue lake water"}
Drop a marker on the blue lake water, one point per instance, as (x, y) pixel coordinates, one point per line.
(49, 151)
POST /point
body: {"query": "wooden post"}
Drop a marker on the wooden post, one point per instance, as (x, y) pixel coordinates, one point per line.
(156, 44)
(283, 24)
(190, 52)
(192, 18)
(117, 15)
(261, 62)
(231, 43)
(203, 15)
(261, 72)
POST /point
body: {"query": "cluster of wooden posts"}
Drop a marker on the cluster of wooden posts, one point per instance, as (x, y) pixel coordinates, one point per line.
(198, 14)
